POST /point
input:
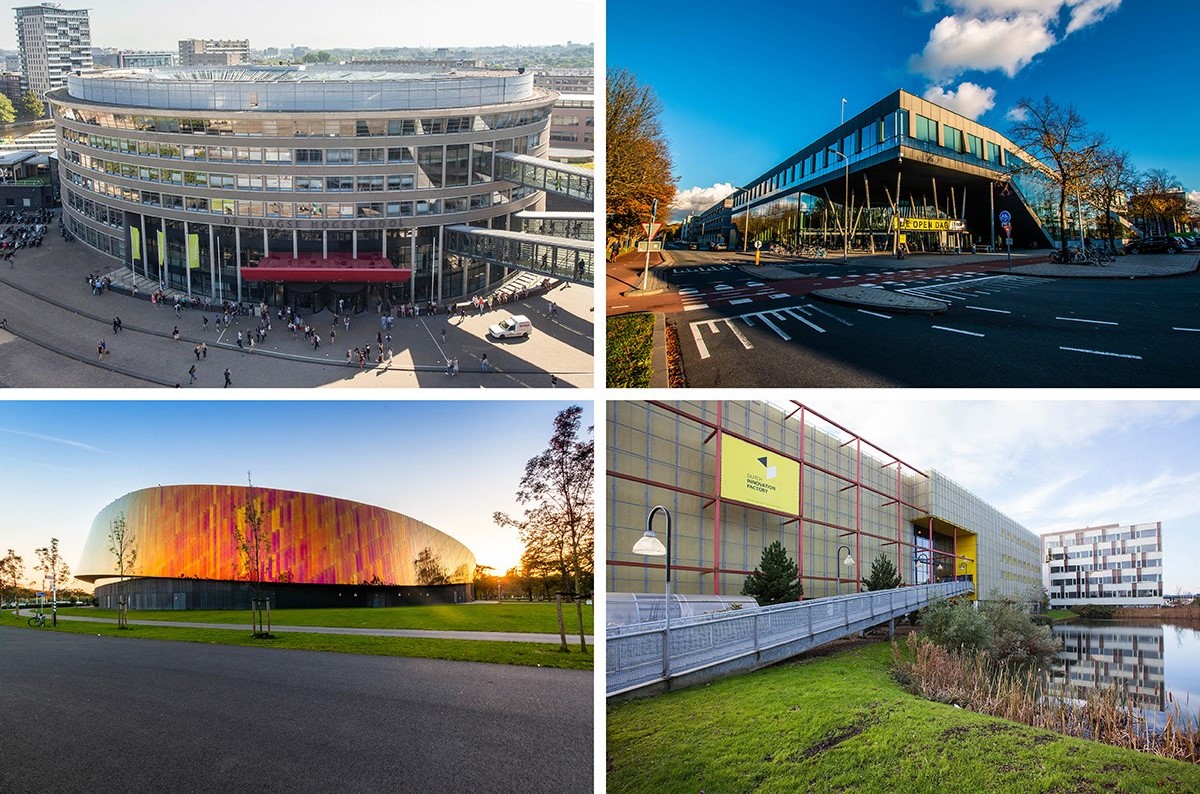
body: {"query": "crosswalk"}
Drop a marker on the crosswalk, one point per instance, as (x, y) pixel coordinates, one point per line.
(694, 299)
(812, 319)
(967, 286)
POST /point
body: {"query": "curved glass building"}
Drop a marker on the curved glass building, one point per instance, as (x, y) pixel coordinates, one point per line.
(297, 184)
(188, 532)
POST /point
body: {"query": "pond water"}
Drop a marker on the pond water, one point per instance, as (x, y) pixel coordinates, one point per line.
(1153, 659)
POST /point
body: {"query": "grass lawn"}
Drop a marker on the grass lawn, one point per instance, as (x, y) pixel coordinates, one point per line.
(1059, 614)
(520, 653)
(841, 723)
(630, 341)
(536, 617)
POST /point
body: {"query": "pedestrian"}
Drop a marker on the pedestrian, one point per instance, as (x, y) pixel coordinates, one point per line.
(379, 338)
(116, 326)
(196, 350)
(204, 349)
(389, 357)
(192, 375)
(455, 365)
(346, 322)
(175, 334)
(206, 324)
(443, 336)
(239, 340)
(316, 341)
(449, 366)
(101, 349)
(553, 381)
(483, 363)
(348, 354)
(332, 336)
(228, 379)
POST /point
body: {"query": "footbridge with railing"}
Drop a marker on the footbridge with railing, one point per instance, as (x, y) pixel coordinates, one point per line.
(561, 179)
(557, 258)
(706, 647)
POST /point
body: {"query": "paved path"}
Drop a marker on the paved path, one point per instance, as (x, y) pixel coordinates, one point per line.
(487, 636)
(110, 714)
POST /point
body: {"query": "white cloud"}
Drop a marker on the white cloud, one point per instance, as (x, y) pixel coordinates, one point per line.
(695, 200)
(1194, 197)
(1016, 113)
(968, 100)
(958, 44)
(1088, 12)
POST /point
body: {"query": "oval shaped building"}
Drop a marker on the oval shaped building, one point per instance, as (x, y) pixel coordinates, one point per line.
(318, 545)
(312, 186)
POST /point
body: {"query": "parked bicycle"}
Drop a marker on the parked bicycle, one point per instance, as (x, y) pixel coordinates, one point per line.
(812, 252)
(39, 619)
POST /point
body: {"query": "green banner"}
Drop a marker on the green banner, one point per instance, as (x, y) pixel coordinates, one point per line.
(135, 241)
(193, 251)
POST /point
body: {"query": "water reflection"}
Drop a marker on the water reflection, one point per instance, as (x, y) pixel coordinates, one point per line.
(1149, 660)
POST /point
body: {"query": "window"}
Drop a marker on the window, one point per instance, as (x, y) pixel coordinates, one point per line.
(974, 145)
(370, 156)
(339, 156)
(309, 156)
(993, 153)
(926, 129)
(953, 138)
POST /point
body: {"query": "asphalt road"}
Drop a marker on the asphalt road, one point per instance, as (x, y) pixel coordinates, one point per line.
(90, 714)
(1001, 330)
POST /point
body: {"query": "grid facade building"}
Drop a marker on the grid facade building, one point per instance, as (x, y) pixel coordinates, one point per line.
(851, 498)
(213, 52)
(54, 42)
(1111, 565)
(198, 177)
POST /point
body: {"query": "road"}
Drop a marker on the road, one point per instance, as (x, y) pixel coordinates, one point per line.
(105, 713)
(1002, 329)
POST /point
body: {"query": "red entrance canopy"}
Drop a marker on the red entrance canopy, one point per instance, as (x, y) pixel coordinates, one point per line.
(341, 267)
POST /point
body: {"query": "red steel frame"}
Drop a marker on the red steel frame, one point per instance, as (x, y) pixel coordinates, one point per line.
(716, 500)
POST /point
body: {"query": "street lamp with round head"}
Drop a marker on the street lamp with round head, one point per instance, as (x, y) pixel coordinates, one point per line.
(649, 545)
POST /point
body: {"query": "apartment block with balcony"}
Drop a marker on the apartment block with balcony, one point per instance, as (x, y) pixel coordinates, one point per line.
(1110, 565)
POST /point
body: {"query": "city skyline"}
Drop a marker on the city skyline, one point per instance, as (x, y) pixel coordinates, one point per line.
(354, 450)
(122, 24)
(1054, 465)
(975, 58)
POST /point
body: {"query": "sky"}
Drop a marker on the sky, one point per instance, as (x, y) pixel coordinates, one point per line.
(745, 86)
(451, 464)
(354, 23)
(1055, 465)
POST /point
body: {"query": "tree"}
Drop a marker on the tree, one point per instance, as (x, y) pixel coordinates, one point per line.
(123, 547)
(1058, 136)
(320, 56)
(53, 569)
(429, 567)
(8, 113)
(559, 521)
(883, 574)
(638, 161)
(32, 107)
(484, 582)
(12, 571)
(776, 580)
(253, 545)
(1158, 195)
(1112, 180)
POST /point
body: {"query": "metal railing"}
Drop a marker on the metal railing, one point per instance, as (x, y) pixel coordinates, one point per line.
(710, 646)
(546, 175)
(558, 258)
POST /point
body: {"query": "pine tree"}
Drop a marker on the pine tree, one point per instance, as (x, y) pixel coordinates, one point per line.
(883, 575)
(776, 580)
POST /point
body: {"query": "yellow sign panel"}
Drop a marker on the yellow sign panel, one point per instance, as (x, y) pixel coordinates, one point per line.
(135, 242)
(929, 225)
(757, 476)
(193, 251)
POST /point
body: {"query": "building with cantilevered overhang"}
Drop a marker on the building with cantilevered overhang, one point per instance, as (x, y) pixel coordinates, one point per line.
(912, 172)
(738, 475)
(312, 186)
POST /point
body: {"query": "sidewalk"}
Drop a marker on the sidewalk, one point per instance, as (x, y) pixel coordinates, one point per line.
(484, 636)
(625, 273)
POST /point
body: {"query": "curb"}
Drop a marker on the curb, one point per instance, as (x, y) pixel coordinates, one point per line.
(894, 309)
(658, 353)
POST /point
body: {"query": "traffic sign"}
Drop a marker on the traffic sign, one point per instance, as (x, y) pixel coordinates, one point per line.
(651, 229)
(646, 246)
(757, 244)
(1005, 216)
(1007, 227)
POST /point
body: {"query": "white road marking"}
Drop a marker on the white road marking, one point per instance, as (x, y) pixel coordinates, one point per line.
(622, 306)
(695, 307)
(1196, 330)
(1101, 353)
(956, 331)
(689, 291)
(740, 300)
(830, 316)
(876, 314)
(703, 348)
(805, 320)
(722, 287)
(1079, 320)
(779, 295)
(738, 333)
(754, 284)
(985, 309)
(774, 328)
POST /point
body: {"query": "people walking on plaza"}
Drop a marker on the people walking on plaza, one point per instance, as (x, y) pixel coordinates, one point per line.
(443, 335)
(206, 324)
(196, 350)
(389, 357)
(332, 336)
(239, 340)
(228, 379)
(449, 366)
(349, 353)
(362, 359)
(192, 375)
(455, 365)
(175, 334)
(553, 381)
(316, 341)
(483, 363)
(379, 338)
(204, 349)
(346, 322)
(101, 349)
(116, 325)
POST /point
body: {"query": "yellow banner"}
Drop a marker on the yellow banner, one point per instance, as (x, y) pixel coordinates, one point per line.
(929, 225)
(162, 247)
(193, 251)
(135, 241)
(757, 476)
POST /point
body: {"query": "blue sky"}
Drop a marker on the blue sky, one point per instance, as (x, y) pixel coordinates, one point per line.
(450, 464)
(744, 86)
(361, 23)
(1055, 465)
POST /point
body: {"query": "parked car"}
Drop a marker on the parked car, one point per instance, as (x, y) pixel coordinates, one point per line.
(693, 246)
(517, 325)
(1154, 245)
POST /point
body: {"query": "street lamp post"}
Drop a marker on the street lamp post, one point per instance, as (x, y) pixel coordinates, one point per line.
(848, 562)
(845, 210)
(650, 546)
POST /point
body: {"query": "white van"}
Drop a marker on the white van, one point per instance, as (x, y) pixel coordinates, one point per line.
(517, 325)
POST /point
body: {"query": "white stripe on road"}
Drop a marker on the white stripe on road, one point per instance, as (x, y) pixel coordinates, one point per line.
(984, 309)
(1195, 330)
(722, 287)
(738, 333)
(1079, 320)
(740, 300)
(754, 283)
(699, 341)
(779, 295)
(622, 306)
(805, 320)
(876, 314)
(696, 307)
(956, 331)
(830, 316)
(774, 327)
(1100, 353)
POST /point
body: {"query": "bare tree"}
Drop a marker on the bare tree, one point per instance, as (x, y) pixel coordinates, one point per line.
(253, 545)
(1058, 136)
(12, 570)
(557, 491)
(1112, 181)
(1159, 195)
(52, 567)
(638, 166)
(123, 547)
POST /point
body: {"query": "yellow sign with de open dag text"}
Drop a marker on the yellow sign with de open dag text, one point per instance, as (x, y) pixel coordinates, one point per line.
(758, 476)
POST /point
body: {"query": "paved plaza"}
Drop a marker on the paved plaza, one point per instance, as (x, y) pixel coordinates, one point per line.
(55, 325)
